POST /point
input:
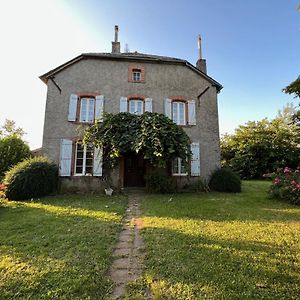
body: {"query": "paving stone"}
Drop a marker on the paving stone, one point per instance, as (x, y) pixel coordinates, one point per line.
(122, 252)
(121, 263)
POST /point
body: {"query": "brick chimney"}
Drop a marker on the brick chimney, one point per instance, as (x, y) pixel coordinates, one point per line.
(201, 63)
(116, 45)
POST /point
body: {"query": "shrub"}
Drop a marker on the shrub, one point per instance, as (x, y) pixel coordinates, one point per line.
(286, 185)
(158, 181)
(225, 180)
(196, 186)
(31, 178)
(12, 150)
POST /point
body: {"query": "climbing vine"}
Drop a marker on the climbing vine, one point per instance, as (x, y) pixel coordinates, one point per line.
(154, 135)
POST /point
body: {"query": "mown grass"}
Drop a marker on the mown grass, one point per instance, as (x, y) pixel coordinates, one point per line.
(220, 246)
(59, 247)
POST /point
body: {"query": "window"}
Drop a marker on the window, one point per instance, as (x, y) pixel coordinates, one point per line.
(178, 167)
(87, 110)
(178, 112)
(136, 106)
(84, 159)
(136, 75)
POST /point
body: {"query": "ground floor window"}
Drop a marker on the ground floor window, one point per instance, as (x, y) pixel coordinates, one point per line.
(178, 167)
(84, 159)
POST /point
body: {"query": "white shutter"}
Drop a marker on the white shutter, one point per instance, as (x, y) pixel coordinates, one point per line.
(65, 157)
(97, 168)
(168, 108)
(148, 104)
(195, 161)
(72, 107)
(192, 112)
(123, 104)
(99, 108)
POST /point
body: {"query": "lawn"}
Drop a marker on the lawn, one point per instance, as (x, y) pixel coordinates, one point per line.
(220, 246)
(59, 247)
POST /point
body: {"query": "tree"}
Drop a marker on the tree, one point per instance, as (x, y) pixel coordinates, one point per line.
(12, 150)
(294, 89)
(260, 147)
(154, 135)
(9, 128)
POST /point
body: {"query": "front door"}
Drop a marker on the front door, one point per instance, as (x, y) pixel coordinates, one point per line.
(134, 170)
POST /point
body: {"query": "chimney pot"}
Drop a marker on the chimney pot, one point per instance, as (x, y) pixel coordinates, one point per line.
(201, 63)
(116, 45)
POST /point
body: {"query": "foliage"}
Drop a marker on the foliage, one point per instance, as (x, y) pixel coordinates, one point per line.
(156, 136)
(225, 180)
(12, 150)
(9, 128)
(261, 147)
(198, 185)
(31, 178)
(58, 247)
(294, 89)
(286, 185)
(221, 246)
(158, 181)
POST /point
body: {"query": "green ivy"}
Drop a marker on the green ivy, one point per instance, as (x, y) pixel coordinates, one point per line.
(154, 135)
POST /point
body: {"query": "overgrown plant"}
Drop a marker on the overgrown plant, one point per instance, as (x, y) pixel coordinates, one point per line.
(31, 178)
(154, 135)
(286, 185)
(225, 180)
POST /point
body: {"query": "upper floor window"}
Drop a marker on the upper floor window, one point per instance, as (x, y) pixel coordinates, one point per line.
(136, 106)
(136, 73)
(87, 110)
(181, 110)
(178, 112)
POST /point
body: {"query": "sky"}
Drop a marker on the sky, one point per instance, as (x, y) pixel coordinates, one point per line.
(251, 47)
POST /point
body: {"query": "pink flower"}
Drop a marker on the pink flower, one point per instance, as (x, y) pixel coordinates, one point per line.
(287, 170)
(276, 180)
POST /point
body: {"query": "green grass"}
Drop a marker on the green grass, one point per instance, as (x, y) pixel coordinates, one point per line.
(59, 247)
(220, 246)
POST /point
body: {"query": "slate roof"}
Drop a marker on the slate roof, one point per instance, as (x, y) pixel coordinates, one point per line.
(131, 56)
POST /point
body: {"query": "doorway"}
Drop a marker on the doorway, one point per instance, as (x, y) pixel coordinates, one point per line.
(134, 170)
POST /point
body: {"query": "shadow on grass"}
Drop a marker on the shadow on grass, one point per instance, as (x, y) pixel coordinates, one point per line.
(217, 268)
(52, 255)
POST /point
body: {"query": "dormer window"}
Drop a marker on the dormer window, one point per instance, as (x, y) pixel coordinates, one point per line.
(136, 74)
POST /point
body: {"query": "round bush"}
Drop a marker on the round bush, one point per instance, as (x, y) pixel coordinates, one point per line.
(31, 178)
(157, 181)
(225, 180)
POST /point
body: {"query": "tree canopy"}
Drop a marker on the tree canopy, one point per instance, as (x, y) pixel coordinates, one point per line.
(154, 135)
(9, 128)
(260, 147)
(294, 89)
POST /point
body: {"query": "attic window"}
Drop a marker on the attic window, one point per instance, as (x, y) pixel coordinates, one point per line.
(136, 74)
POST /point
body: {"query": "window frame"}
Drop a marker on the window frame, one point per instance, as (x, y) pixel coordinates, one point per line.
(84, 160)
(79, 109)
(136, 100)
(185, 111)
(179, 166)
(136, 69)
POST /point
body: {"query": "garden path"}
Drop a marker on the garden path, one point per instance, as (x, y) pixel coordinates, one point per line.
(129, 252)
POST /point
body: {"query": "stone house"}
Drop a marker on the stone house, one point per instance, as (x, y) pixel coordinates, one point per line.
(80, 90)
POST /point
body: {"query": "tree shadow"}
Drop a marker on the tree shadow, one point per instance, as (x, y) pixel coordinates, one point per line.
(218, 268)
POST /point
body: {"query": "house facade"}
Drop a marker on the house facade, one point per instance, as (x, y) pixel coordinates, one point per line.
(79, 91)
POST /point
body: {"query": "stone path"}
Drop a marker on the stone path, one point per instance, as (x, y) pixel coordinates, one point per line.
(128, 255)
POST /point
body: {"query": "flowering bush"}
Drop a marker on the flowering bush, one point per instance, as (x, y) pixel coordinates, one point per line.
(286, 185)
(2, 190)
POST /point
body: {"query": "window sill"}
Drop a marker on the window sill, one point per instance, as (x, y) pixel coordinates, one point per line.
(136, 81)
(180, 175)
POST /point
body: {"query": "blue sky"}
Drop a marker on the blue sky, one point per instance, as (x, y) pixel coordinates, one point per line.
(252, 48)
